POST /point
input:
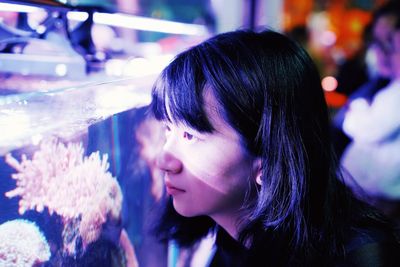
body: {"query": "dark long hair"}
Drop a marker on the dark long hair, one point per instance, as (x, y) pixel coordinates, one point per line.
(269, 91)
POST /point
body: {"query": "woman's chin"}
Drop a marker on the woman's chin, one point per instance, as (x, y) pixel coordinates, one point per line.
(185, 211)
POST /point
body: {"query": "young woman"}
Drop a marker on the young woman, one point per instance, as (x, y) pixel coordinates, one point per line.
(248, 157)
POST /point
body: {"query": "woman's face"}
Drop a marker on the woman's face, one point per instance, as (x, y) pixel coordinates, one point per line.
(207, 174)
(395, 55)
(383, 29)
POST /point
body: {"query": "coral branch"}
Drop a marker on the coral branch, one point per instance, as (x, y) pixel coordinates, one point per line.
(79, 189)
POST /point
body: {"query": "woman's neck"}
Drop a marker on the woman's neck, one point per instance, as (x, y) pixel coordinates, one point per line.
(229, 223)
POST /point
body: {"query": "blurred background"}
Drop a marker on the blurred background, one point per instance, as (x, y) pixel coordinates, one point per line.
(79, 73)
(114, 36)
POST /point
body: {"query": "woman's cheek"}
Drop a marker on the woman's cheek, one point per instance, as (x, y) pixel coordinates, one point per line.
(202, 161)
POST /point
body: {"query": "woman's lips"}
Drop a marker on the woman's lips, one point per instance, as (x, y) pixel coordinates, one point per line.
(172, 190)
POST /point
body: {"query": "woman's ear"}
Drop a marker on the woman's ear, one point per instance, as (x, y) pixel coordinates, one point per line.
(258, 170)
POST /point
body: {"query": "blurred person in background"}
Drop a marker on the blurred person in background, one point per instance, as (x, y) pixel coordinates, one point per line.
(373, 157)
(374, 70)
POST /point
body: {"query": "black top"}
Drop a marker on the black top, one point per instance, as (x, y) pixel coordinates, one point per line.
(365, 248)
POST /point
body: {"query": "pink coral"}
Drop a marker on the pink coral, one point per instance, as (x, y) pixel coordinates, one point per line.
(22, 244)
(78, 188)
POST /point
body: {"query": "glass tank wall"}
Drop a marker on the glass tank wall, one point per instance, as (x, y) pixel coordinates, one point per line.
(78, 185)
(76, 177)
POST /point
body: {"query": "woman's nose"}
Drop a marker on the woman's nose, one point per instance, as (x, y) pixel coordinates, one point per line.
(167, 162)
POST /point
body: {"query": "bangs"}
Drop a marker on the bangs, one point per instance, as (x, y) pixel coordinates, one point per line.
(177, 95)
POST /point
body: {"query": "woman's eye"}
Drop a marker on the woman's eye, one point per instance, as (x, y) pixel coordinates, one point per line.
(188, 136)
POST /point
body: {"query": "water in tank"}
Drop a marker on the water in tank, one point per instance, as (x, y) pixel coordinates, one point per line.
(77, 183)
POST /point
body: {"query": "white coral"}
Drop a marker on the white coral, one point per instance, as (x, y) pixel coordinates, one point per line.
(22, 244)
(60, 178)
